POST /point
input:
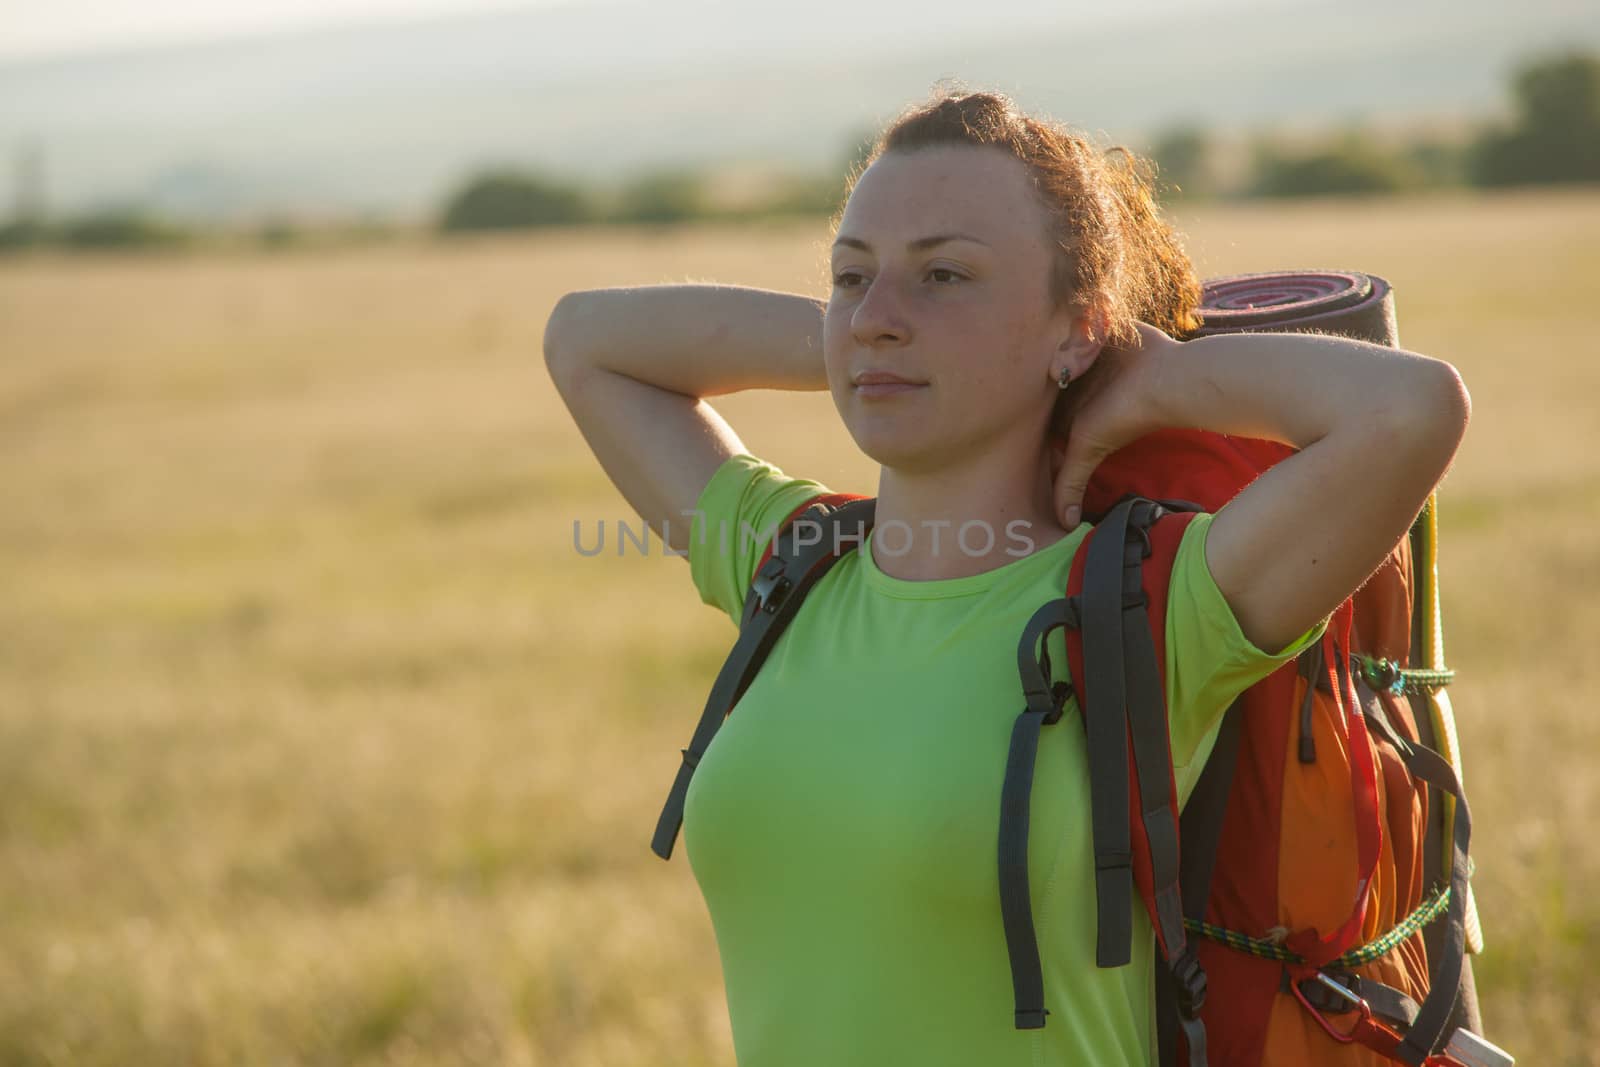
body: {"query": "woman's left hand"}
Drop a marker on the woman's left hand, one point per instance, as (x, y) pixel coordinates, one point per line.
(1117, 410)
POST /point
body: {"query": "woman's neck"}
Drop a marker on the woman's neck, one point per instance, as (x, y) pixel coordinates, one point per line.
(965, 518)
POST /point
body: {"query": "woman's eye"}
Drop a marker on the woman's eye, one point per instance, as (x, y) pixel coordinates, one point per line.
(850, 279)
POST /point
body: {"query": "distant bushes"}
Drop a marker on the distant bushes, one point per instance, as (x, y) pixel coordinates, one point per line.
(664, 196)
(1556, 134)
(120, 229)
(1353, 165)
(1183, 157)
(1554, 137)
(114, 228)
(504, 199)
(16, 235)
(130, 230)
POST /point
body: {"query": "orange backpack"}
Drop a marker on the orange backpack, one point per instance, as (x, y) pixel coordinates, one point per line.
(1301, 872)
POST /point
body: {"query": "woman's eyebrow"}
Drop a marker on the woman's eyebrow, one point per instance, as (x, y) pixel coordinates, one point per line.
(915, 246)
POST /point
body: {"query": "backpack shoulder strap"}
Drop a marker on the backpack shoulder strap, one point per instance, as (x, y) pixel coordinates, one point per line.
(1114, 618)
(772, 580)
(1200, 831)
(1118, 660)
(790, 566)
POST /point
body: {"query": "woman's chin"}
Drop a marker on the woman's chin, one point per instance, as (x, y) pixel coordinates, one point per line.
(900, 450)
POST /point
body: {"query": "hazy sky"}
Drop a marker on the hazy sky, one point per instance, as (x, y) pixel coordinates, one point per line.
(33, 28)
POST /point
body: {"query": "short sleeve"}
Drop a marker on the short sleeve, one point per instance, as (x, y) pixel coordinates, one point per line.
(738, 513)
(1209, 659)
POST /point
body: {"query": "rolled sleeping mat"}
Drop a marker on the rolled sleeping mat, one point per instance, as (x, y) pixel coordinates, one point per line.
(1344, 302)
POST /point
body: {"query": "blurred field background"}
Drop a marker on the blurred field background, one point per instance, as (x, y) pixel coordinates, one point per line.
(320, 744)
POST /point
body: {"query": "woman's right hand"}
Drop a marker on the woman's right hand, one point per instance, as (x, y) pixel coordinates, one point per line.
(1116, 409)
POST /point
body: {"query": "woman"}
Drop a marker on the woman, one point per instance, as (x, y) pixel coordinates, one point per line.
(996, 283)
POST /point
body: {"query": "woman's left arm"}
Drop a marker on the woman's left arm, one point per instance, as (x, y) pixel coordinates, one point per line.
(1376, 428)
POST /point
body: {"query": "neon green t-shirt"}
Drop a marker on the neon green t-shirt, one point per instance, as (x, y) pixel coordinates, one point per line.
(843, 823)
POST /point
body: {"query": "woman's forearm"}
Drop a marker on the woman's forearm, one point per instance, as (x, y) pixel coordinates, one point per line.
(1297, 388)
(699, 340)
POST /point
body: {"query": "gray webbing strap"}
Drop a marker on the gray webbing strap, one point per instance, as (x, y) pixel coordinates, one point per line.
(1016, 908)
(1045, 699)
(1200, 829)
(1444, 981)
(1147, 723)
(1105, 713)
(1183, 980)
(795, 568)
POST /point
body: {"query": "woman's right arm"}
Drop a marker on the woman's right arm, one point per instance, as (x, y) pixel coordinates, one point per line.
(633, 366)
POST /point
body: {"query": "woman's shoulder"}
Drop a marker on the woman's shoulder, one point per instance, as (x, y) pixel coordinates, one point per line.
(738, 514)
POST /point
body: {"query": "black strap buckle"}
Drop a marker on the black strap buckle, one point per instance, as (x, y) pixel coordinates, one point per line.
(1146, 548)
(1190, 978)
(770, 586)
(1031, 1019)
(1059, 693)
(1052, 702)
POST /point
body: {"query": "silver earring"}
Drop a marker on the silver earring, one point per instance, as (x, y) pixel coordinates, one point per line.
(1064, 379)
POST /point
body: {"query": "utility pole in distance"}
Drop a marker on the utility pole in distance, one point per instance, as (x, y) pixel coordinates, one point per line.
(29, 184)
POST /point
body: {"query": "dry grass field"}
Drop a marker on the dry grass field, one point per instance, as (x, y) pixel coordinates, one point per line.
(319, 744)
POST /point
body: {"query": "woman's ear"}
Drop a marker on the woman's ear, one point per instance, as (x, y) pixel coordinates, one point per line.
(1100, 320)
(1081, 347)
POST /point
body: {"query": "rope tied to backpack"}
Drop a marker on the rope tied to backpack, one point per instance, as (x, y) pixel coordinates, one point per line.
(1430, 909)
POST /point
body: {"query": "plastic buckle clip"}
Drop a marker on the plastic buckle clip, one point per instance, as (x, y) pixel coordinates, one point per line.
(1058, 693)
(770, 586)
(1146, 548)
(1191, 981)
(1050, 703)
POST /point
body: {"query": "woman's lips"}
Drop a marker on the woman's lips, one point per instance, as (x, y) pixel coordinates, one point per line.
(886, 388)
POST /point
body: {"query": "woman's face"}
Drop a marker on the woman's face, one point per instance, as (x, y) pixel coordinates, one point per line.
(941, 275)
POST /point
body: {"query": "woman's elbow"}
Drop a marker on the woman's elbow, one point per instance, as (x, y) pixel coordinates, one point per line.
(1451, 407)
(1435, 422)
(558, 341)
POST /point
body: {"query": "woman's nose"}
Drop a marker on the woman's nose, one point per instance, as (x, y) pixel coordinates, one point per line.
(880, 316)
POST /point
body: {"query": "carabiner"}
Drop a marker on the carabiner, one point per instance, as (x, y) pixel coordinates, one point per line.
(1358, 1002)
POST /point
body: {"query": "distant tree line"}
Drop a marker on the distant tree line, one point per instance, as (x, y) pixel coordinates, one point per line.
(132, 227)
(1553, 137)
(111, 228)
(508, 198)
(511, 198)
